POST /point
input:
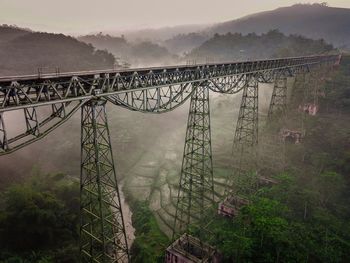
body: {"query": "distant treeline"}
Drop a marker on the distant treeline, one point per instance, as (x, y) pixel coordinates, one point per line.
(236, 46)
(313, 21)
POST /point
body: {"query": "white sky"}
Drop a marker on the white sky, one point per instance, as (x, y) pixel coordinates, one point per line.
(84, 16)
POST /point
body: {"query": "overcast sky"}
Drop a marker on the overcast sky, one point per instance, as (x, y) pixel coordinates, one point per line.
(84, 16)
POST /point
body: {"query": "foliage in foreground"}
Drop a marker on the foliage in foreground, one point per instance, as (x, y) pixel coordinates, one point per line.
(150, 242)
(289, 223)
(305, 217)
(39, 220)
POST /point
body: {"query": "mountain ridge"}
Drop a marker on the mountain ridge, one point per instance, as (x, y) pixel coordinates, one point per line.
(314, 21)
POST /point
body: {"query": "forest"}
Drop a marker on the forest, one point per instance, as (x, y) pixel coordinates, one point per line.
(39, 219)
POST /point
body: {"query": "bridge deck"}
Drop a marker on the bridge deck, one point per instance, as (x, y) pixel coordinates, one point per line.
(281, 61)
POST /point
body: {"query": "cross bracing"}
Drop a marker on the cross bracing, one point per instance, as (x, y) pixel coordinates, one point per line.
(151, 90)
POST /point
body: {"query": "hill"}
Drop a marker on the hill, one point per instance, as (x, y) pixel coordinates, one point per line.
(185, 42)
(118, 46)
(23, 52)
(314, 21)
(232, 47)
(9, 33)
(139, 53)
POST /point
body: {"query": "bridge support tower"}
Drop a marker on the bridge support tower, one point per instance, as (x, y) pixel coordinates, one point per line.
(278, 102)
(272, 147)
(246, 134)
(196, 188)
(102, 229)
(244, 151)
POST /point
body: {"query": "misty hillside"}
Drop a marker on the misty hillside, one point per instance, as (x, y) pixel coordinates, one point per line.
(23, 52)
(185, 42)
(157, 34)
(118, 46)
(304, 21)
(139, 53)
(148, 53)
(9, 33)
(314, 21)
(231, 47)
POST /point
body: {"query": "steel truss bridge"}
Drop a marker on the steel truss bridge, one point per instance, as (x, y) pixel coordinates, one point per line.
(48, 100)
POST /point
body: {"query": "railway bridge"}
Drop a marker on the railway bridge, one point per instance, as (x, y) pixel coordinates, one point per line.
(47, 101)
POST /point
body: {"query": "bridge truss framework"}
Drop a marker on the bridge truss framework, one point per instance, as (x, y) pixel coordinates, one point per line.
(47, 101)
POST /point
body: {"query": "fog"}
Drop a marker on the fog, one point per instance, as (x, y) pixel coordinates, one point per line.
(74, 17)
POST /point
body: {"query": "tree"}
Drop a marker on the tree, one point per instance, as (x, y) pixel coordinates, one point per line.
(40, 217)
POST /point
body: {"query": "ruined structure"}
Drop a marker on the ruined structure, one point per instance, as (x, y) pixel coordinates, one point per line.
(291, 136)
(188, 249)
(231, 205)
(309, 108)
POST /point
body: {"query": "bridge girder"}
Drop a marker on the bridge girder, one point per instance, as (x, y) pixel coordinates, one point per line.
(154, 90)
(39, 122)
(158, 100)
(29, 91)
(228, 84)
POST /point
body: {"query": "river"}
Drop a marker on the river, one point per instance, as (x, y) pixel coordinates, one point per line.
(127, 215)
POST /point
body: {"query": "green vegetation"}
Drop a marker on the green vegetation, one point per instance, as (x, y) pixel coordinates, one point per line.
(39, 220)
(150, 242)
(289, 222)
(305, 217)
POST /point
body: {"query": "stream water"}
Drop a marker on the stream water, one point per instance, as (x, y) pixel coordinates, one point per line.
(127, 214)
